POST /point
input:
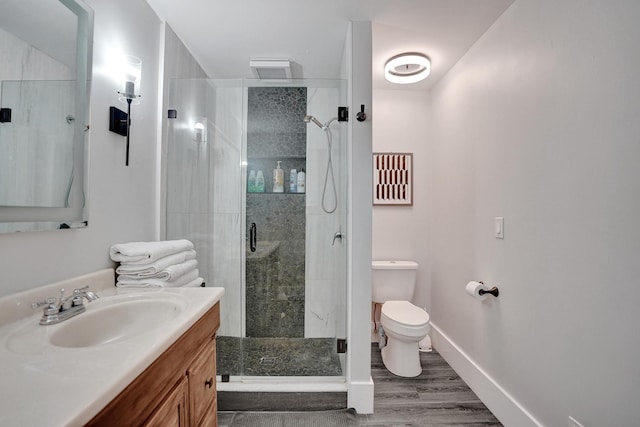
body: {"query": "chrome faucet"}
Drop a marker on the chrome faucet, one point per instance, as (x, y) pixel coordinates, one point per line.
(65, 307)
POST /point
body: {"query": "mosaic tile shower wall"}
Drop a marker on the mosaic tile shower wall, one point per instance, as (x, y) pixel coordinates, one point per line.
(275, 272)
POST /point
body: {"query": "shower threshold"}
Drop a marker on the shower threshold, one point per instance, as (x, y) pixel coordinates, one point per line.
(283, 384)
(282, 394)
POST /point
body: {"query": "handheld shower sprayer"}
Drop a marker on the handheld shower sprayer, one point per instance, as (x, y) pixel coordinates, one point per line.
(329, 171)
(317, 122)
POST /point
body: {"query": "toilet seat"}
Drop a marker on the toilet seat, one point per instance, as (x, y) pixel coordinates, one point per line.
(404, 318)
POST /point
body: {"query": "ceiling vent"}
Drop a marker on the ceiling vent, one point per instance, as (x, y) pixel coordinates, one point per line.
(271, 69)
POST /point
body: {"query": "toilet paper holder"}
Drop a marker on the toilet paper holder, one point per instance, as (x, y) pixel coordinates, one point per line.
(493, 291)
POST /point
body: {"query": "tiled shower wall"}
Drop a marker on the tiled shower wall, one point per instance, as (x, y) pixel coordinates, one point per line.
(325, 271)
(203, 189)
(275, 282)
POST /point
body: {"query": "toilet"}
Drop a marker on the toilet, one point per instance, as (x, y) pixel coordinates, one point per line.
(404, 324)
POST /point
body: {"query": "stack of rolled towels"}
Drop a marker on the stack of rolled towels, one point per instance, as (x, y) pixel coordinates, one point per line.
(170, 263)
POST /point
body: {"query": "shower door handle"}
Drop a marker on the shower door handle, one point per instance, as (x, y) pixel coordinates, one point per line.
(253, 237)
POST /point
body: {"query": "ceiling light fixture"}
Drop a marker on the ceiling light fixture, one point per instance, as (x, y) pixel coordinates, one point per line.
(407, 68)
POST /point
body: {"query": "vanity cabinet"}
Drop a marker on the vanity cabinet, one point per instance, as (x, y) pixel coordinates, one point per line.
(177, 389)
(173, 409)
(202, 384)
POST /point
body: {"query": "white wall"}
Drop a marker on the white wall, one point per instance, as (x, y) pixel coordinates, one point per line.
(539, 123)
(401, 123)
(357, 64)
(122, 199)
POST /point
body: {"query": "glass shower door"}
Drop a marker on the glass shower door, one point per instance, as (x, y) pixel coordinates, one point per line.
(274, 252)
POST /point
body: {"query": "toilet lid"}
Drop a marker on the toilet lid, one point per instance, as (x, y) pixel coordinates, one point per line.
(405, 312)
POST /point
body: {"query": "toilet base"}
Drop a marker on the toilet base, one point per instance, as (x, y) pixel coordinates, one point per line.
(401, 358)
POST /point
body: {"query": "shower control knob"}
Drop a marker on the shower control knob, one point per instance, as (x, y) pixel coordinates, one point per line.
(361, 116)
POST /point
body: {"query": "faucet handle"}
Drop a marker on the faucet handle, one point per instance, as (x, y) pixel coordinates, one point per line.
(49, 302)
(338, 235)
(80, 290)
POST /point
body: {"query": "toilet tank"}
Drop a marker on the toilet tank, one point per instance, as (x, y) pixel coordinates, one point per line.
(393, 280)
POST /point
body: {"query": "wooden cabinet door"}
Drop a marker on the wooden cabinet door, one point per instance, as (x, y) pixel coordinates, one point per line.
(210, 418)
(202, 382)
(172, 412)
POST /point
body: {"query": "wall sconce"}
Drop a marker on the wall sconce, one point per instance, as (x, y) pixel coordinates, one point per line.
(130, 72)
(200, 130)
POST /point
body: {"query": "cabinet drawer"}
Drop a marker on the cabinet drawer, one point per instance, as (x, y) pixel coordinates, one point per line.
(202, 382)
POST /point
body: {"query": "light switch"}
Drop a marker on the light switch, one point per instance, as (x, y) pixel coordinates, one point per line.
(499, 227)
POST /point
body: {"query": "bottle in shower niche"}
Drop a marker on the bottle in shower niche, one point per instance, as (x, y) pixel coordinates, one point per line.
(278, 179)
(259, 182)
(301, 185)
(251, 182)
(293, 181)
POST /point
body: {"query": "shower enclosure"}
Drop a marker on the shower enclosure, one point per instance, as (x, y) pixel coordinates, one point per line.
(279, 255)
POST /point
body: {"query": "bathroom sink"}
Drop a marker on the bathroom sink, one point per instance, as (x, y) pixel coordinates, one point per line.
(111, 319)
(74, 368)
(116, 320)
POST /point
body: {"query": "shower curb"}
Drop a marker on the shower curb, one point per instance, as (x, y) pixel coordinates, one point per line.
(281, 401)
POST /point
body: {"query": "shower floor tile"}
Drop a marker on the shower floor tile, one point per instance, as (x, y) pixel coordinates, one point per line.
(277, 356)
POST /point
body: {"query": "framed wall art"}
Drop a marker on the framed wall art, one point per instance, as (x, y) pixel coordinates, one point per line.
(393, 179)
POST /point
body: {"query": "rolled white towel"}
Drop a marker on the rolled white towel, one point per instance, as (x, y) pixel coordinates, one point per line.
(147, 252)
(149, 270)
(157, 283)
(194, 283)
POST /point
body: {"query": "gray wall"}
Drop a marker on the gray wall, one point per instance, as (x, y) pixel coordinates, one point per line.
(275, 131)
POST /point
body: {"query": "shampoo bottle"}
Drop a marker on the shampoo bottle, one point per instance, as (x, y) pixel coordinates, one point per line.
(259, 182)
(278, 179)
(251, 182)
(301, 185)
(293, 181)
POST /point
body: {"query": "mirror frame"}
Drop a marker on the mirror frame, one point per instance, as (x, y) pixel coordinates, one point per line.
(50, 218)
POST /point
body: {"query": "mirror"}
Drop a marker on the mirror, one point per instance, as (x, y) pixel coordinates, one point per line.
(45, 71)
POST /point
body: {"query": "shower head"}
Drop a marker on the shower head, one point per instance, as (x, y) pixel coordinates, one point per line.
(308, 119)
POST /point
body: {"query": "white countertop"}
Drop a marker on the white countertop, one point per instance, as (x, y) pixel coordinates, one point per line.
(45, 385)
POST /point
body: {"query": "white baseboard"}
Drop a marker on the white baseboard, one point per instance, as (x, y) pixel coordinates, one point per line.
(360, 396)
(499, 402)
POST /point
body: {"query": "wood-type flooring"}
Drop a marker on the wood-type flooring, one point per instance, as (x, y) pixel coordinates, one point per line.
(437, 397)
